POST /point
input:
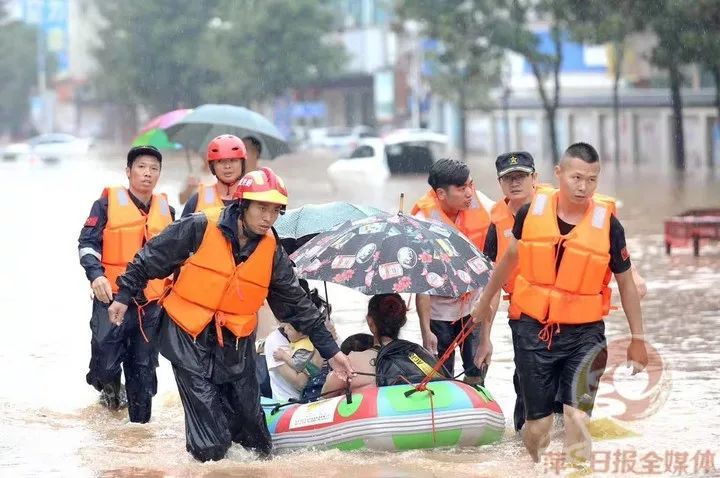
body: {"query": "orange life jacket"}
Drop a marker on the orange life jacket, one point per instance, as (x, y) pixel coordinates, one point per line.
(504, 220)
(502, 217)
(472, 222)
(577, 291)
(208, 197)
(127, 230)
(210, 285)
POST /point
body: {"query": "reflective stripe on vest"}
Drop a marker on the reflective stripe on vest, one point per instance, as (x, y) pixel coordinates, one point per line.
(472, 222)
(127, 230)
(210, 285)
(574, 291)
(208, 198)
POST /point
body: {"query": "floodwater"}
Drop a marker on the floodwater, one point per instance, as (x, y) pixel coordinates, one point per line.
(50, 423)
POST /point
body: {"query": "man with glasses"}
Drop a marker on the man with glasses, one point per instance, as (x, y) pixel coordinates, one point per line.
(518, 180)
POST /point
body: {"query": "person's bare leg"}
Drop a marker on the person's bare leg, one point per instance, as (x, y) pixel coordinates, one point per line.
(578, 442)
(536, 436)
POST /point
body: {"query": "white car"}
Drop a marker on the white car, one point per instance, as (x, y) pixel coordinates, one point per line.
(342, 141)
(367, 164)
(374, 159)
(48, 147)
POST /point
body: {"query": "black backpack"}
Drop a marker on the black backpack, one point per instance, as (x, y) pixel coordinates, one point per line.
(406, 359)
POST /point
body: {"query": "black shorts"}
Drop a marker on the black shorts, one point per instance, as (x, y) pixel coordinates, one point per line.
(571, 368)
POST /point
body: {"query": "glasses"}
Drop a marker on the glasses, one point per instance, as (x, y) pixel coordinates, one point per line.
(516, 177)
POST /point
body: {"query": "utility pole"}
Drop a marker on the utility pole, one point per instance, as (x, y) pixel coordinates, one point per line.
(41, 58)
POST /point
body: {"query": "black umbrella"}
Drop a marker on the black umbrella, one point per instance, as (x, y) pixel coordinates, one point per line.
(383, 254)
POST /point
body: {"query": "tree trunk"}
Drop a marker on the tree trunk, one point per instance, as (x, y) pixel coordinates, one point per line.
(678, 130)
(619, 55)
(462, 107)
(557, 64)
(716, 76)
(550, 114)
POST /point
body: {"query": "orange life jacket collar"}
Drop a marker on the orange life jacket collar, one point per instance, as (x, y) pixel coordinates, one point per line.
(472, 222)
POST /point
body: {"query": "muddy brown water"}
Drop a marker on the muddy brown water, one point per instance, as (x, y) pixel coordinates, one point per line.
(50, 423)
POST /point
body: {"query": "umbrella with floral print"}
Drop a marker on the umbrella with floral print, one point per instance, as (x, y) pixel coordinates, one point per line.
(383, 254)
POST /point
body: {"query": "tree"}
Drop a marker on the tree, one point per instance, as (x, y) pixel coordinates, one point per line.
(18, 73)
(607, 21)
(468, 64)
(702, 43)
(670, 21)
(511, 31)
(268, 46)
(150, 54)
(166, 54)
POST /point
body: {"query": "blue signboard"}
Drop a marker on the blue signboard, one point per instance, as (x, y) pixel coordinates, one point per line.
(574, 55)
(52, 17)
(309, 110)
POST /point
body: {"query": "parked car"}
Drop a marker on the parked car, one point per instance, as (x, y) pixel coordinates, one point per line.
(341, 141)
(48, 147)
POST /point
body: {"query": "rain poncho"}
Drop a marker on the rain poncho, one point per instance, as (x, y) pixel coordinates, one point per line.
(204, 369)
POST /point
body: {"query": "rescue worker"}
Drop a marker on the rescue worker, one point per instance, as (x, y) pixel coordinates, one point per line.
(253, 146)
(452, 199)
(518, 181)
(228, 261)
(226, 156)
(564, 242)
(119, 224)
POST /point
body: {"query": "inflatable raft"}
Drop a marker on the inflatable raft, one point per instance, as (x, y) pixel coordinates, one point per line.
(385, 419)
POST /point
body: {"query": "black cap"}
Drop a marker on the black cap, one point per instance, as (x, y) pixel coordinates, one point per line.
(148, 150)
(515, 161)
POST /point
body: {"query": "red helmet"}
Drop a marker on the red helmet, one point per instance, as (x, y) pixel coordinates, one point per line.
(262, 185)
(226, 146)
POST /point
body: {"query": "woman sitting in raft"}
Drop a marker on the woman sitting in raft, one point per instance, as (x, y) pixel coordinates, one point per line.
(390, 361)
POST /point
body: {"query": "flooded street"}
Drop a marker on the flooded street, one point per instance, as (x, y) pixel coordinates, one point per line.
(50, 423)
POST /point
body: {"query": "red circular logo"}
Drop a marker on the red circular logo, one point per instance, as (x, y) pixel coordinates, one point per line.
(605, 375)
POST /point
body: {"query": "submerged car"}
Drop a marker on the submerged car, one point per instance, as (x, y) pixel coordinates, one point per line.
(48, 147)
(402, 151)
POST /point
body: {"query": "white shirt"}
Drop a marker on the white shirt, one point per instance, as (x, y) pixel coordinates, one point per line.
(449, 309)
(282, 390)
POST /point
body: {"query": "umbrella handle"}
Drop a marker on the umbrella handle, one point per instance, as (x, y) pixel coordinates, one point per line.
(189, 161)
(326, 299)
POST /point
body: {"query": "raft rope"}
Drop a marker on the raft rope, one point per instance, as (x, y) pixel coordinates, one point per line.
(459, 339)
(141, 314)
(421, 387)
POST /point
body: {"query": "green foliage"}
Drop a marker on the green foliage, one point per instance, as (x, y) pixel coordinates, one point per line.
(260, 48)
(150, 52)
(468, 64)
(18, 72)
(700, 37)
(165, 54)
